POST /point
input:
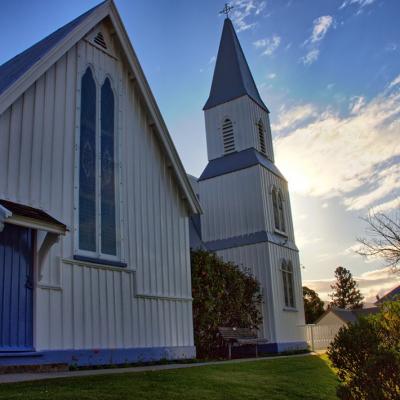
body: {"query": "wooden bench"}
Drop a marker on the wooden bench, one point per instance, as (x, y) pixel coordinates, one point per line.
(240, 337)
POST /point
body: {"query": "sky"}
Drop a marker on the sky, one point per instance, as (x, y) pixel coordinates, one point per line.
(329, 72)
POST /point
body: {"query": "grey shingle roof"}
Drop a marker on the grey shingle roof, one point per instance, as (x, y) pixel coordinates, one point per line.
(13, 69)
(232, 77)
(390, 296)
(237, 161)
(350, 315)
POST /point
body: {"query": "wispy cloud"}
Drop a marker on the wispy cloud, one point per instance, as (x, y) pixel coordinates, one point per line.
(272, 75)
(290, 117)
(360, 3)
(310, 57)
(356, 104)
(243, 11)
(372, 283)
(321, 26)
(353, 157)
(268, 45)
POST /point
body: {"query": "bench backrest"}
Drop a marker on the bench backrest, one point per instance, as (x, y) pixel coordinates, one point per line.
(236, 333)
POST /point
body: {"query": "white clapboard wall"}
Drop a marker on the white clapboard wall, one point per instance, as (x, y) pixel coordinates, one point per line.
(82, 305)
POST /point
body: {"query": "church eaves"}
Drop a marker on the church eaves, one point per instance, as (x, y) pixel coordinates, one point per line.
(232, 77)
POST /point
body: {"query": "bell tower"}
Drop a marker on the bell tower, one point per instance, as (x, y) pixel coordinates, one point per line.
(245, 200)
(236, 117)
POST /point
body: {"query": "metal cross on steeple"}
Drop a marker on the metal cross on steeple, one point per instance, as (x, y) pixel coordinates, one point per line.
(227, 9)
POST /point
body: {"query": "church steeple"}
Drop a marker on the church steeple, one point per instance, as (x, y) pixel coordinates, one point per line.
(232, 77)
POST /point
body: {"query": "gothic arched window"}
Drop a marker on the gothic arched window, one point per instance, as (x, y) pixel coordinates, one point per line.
(228, 137)
(108, 225)
(288, 283)
(87, 168)
(276, 209)
(97, 192)
(261, 137)
(279, 210)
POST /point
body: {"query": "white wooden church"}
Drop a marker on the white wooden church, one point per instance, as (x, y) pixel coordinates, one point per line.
(97, 214)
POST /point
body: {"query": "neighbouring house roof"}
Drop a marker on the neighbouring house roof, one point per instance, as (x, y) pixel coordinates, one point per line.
(35, 214)
(19, 73)
(349, 316)
(232, 77)
(390, 296)
(237, 161)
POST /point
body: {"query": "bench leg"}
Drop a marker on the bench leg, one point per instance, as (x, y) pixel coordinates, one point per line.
(229, 351)
(256, 351)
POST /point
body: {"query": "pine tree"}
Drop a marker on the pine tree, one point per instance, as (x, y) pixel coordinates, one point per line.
(345, 291)
(313, 305)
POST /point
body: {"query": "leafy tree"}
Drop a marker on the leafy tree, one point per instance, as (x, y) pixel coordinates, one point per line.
(313, 305)
(366, 355)
(383, 238)
(345, 290)
(223, 295)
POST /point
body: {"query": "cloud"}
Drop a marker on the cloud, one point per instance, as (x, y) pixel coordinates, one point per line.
(372, 283)
(271, 75)
(289, 118)
(395, 82)
(360, 3)
(310, 57)
(212, 60)
(321, 26)
(269, 45)
(356, 104)
(243, 10)
(354, 157)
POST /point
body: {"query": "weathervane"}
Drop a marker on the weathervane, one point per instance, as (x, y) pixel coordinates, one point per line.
(227, 9)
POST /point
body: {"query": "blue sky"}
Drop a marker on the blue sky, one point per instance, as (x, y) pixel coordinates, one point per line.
(329, 71)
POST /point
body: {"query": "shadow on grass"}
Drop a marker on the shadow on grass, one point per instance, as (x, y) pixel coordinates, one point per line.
(307, 377)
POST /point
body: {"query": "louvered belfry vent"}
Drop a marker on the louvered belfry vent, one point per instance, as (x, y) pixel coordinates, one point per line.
(99, 39)
(261, 136)
(228, 137)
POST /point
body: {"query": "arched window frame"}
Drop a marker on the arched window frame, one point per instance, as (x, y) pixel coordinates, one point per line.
(261, 137)
(278, 210)
(281, 210)
(288, 284)
(228, 136)
(97, 254)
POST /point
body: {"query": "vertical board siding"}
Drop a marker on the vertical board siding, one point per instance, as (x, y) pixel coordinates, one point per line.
(288, 323)
(244, 114)
(255, 257)
(78, 306)
(222, 199)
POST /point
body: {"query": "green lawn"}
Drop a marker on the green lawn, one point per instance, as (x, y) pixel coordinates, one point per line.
(307, 377)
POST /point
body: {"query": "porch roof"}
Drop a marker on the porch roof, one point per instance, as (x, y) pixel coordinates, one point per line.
(33, 217)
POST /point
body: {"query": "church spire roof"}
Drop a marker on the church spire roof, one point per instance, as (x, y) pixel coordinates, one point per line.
(232, 77)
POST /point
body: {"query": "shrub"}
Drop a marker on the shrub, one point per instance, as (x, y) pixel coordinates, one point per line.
(223, 295)
(367, 356)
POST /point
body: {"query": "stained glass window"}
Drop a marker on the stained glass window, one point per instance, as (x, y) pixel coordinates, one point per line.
(108, 225)
(87, 169)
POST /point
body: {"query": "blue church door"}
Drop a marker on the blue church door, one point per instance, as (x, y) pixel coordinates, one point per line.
(16, 289)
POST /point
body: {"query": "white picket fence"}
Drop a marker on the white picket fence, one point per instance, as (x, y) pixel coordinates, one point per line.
(319, 337)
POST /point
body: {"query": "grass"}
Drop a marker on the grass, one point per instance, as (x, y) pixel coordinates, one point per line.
(307, 377)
